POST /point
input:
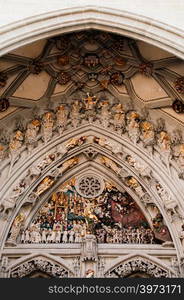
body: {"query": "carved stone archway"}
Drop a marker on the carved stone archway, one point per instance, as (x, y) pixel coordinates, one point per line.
(59, 21)
(39, 266)
(101, 151)
(139, 265)
(112, 138)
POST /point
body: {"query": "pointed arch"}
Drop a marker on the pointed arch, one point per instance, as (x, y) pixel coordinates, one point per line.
(124, 142)
(47, 263)
(139, 262)
(59, 21)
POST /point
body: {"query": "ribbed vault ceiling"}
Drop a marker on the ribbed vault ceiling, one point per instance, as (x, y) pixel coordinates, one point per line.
(90, 61)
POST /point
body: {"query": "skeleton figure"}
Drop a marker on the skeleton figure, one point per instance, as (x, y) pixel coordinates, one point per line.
(101, 236)
(134, 234)
(133, 120)
(138, 240)
(116, 236)
(75, 113)
(61, 118)
(15, 146)
(47, 126)
(31, 134)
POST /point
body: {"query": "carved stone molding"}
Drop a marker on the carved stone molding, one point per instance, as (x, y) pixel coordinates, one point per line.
(137, 265)
(53, 269)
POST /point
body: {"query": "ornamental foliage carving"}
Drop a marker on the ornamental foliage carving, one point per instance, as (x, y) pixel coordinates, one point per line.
(52, 269)
(137, 265)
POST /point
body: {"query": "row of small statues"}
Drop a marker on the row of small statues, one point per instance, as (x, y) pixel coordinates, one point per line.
(137, 128)
(113, 235)
(47, 236)
(125, 236)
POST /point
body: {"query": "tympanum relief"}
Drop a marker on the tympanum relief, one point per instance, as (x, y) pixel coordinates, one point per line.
(90, 206)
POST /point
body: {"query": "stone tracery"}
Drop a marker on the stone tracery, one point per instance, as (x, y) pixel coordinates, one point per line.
(39, 264)
(96, 110)
(137, 264)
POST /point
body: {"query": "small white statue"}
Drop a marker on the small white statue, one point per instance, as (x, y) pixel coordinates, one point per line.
(65, 236)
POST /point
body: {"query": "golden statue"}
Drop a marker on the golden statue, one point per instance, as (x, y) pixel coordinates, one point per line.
(164, 141)
(19, 219)
(132, 182)
(44, 185)
(118, 108)
(32, 131)
(75, 142)
(47, 120)
(89, 101)
(16, 141)
(69, 164)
